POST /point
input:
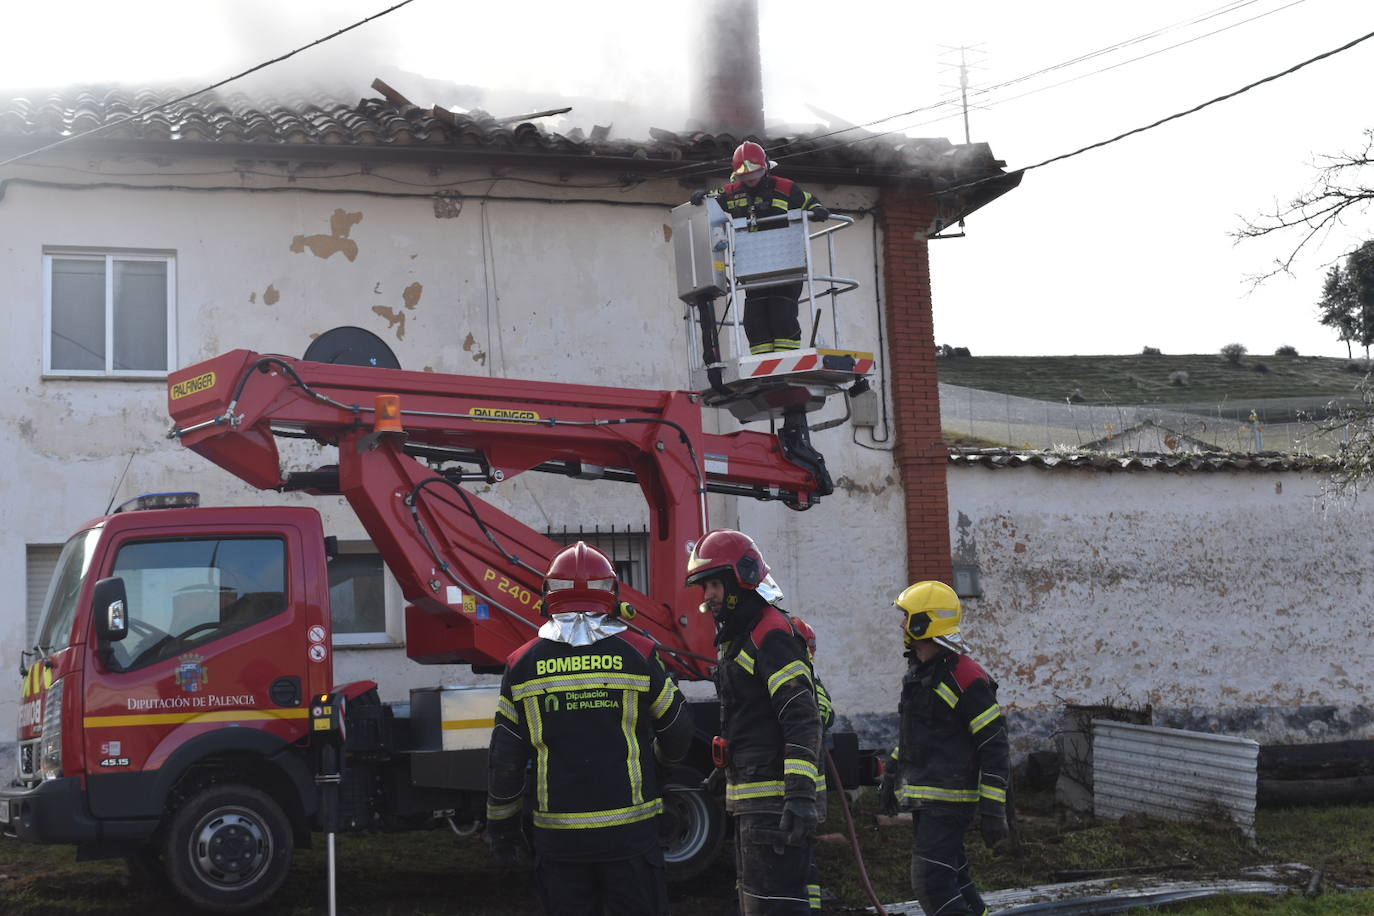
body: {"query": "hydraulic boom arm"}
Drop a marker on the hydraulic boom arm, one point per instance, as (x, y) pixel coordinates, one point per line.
(471, 574)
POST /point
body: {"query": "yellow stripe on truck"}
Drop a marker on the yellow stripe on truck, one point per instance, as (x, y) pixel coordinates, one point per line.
(177, 718)
(456, 724)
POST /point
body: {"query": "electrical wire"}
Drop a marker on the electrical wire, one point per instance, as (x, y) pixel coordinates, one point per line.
(694, 169)
(1165, 120)
(210, 88)
(1039, 89)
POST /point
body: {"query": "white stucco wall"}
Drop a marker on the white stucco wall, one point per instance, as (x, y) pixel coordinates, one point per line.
(574, 292)
(1230, 601)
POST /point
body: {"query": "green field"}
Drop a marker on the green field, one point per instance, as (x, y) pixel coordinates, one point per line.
(1146, 379)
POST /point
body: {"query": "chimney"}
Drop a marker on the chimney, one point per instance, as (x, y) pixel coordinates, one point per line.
(729, 91)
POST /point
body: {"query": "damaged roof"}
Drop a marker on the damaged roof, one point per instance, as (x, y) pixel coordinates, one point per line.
(998, 459)
(317, 126)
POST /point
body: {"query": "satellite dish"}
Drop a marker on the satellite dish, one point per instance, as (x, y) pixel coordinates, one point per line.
(349, 346)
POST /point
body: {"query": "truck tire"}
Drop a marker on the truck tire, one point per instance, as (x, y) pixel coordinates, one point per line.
(693, 830)
(228, 848)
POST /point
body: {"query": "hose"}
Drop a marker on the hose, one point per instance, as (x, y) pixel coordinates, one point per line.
(853, 836)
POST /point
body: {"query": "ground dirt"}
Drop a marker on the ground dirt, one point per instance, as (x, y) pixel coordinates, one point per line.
(438, 873)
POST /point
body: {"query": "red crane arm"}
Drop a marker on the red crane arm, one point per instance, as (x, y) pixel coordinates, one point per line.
(470, 572)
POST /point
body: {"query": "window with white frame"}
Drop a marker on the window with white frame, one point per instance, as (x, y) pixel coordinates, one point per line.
(364, 600)
(109, 313)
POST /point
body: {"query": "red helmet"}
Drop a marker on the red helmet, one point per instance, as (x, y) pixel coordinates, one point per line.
(749, 158)
(805, 632)
(581, 578)
(722, 551)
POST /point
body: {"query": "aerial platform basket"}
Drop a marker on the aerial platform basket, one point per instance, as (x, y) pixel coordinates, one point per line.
(719, 260)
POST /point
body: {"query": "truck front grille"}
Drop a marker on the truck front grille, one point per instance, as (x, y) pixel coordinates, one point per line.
(28, 761)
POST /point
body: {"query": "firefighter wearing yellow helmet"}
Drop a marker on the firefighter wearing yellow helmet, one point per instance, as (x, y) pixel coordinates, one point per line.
(951, 763)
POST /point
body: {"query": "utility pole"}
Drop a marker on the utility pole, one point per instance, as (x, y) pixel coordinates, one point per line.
(963, 66)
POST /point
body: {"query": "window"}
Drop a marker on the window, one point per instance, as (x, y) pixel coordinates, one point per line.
(109, 314)
(364, 600)
(185, 593)
(40, 562)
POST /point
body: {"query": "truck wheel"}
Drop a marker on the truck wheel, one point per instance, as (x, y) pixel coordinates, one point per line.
(693, 830)
(228, 848)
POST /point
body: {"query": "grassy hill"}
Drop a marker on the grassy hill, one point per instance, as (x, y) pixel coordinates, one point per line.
(1208, 379)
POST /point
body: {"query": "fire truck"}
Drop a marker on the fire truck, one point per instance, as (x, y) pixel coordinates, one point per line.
(179, 708)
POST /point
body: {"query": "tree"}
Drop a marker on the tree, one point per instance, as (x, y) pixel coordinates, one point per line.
(1337, 307)
(1347, 301)
(1342, 189)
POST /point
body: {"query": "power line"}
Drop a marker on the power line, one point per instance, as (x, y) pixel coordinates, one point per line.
(190, 95)
(701, 168)
(1173, 117)
(1073, 79)
(1064, 82)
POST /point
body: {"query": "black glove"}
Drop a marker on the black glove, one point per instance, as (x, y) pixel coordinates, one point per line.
(698, 196)
(714, 783)
(993, 828)
(506, 842)
(798, 821)
(819, 214)
(887, 794)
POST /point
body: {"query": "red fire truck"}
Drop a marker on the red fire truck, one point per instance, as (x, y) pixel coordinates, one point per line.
(179, 708)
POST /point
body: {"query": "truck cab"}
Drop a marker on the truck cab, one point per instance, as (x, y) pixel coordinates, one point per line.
(180, 696)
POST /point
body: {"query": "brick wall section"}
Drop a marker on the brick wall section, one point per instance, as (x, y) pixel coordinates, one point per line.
(729, 90)
(919, 451)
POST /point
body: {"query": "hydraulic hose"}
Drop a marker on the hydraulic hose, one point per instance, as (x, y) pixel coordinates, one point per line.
(853, 836)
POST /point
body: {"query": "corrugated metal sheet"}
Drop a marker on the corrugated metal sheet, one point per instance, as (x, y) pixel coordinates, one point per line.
(1174, 774)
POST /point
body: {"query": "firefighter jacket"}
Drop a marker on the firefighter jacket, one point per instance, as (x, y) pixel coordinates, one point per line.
(953, 736)
(584, 725)
(772, 196)
(768, 716)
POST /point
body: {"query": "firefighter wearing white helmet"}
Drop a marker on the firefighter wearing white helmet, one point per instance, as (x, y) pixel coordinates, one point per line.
(754, 192)
(951, 763)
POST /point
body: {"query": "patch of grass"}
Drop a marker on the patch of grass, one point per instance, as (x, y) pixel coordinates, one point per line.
(435, 872)
(1146, 379)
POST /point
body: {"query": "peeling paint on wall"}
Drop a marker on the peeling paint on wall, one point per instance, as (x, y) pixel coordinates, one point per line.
(410, 296)
(270, 295)
(1185, 591)
(325, 246)
(469, 345)
(854, 488)
(667, 233)
(395, 318)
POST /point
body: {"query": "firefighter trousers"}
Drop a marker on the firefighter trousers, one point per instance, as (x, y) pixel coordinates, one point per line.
(770, 318)
(940, 875)
(624, 887)
(772, 875)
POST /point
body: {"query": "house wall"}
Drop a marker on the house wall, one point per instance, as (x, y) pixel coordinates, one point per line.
(576, 292)
(1233, 602)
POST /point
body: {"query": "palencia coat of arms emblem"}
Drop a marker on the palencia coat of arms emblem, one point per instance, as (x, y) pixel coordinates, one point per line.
(191, 675)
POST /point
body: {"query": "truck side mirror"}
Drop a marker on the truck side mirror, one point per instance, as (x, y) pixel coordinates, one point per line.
(111, 608)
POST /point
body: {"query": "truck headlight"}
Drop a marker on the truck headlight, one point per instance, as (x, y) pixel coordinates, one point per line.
(50, 742)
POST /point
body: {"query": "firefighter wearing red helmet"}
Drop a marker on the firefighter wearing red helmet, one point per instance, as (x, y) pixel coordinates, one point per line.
(770, 742)
(770, 314)
(585, 713)
(951, 763)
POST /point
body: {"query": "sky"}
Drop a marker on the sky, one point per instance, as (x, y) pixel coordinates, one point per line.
(1107, 252)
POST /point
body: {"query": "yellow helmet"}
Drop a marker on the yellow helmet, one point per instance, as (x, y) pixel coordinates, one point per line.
(932, 611)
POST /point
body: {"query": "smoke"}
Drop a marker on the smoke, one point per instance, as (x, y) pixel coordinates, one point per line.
(614, 61)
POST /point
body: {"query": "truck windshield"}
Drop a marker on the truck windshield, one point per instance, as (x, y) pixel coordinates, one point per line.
(59, 607)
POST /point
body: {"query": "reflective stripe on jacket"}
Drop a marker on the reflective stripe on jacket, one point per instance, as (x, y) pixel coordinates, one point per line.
(578, 727)
(953, 736)
(768, 715)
